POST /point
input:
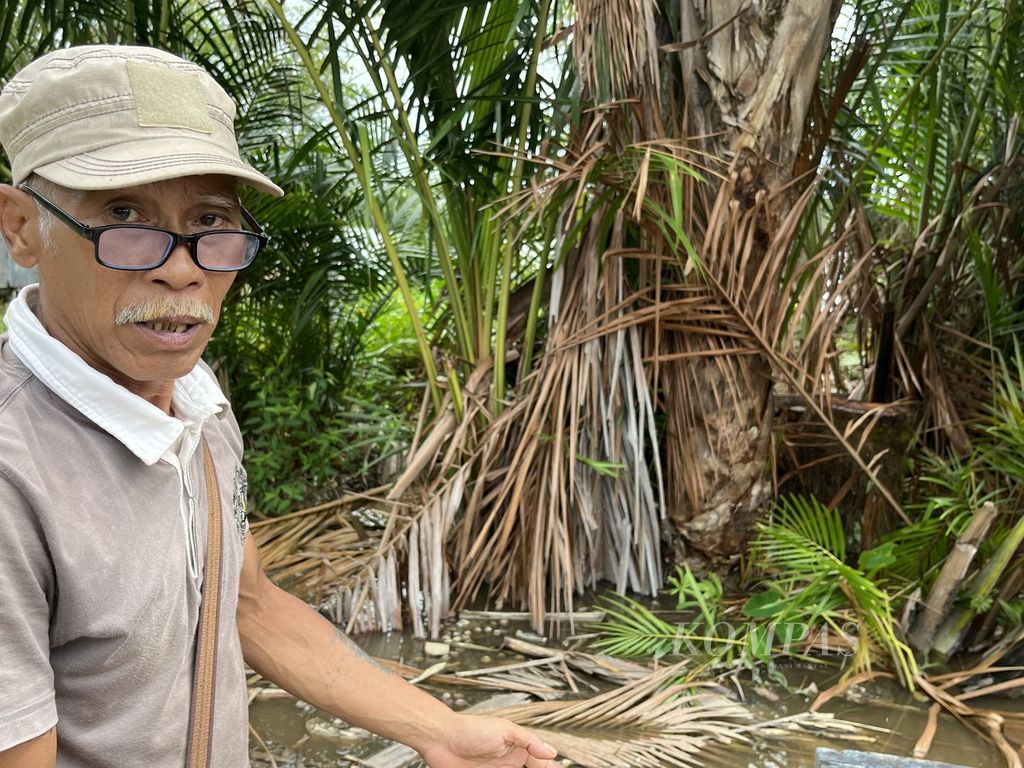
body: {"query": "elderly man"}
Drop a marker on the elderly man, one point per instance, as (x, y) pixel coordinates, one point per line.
(122, 494)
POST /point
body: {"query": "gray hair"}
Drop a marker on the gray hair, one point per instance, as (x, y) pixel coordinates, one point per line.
(54, 193)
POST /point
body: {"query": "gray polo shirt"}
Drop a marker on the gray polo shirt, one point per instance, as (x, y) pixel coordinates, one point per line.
(101, 559)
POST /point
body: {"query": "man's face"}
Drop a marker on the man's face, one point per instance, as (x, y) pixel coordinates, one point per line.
(80, 300)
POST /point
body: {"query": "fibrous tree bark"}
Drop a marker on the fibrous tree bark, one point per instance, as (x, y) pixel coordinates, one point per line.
(748, 73)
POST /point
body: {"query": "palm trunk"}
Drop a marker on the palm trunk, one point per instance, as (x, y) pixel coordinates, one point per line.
(747, 86)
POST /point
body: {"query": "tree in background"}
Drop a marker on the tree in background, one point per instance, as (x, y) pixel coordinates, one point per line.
(703, 209)
(655, 259)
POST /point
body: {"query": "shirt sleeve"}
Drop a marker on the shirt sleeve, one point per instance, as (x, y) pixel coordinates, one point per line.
(27, 702)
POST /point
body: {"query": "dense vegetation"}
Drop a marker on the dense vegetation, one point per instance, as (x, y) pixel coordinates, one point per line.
(511, 235)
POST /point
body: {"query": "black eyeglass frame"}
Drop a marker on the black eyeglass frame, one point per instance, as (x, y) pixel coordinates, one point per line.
(192, 241)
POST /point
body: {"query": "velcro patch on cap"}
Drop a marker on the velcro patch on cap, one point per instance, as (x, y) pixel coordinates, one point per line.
(166, 98)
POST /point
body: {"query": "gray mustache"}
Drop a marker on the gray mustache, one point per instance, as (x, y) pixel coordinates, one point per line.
(159, 309)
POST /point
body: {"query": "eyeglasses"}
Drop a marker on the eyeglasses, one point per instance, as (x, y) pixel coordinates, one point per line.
(138, 247)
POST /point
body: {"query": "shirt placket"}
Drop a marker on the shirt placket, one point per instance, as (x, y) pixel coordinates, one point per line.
(189, 502)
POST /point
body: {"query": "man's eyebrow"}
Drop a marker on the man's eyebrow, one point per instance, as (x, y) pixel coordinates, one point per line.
(220, 200)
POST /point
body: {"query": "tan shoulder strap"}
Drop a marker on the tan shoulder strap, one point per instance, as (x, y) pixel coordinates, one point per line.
(200, 727)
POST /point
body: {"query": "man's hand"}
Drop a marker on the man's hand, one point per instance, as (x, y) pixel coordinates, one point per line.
(477, 741)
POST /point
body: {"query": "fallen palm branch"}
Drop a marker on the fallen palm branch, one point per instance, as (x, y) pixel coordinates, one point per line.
(618, 671)
(986, 722)
(661, 719)
(313, 550)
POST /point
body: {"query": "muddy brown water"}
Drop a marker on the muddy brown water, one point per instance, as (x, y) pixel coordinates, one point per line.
(298, 736)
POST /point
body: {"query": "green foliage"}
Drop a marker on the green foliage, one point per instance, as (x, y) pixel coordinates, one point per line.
(1003, 449)
(293, 444)
(801, 548)
(1012, 613)
(631, 629)
(912, 551)
(692, 593)
(471, 84)
(326, 400)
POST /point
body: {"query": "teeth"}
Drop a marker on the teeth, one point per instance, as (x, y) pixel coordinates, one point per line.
(172, 327)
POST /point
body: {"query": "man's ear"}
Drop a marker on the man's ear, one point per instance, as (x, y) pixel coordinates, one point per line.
(19, 225)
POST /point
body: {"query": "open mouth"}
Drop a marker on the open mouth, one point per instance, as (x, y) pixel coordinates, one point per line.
(161, 326)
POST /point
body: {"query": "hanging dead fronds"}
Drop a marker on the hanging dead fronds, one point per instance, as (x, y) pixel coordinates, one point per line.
(616, 50)
(572, 498)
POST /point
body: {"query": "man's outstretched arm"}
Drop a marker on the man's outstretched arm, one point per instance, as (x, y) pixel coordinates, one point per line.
(289, 643)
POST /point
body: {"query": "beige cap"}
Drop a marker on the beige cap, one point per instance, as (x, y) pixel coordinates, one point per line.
(110, 116)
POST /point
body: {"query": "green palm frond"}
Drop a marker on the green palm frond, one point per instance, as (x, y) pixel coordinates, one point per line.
(1012, 612)
(795, 548)
(692, 593)
(915, 549)
(631, 629)
(1004, 449)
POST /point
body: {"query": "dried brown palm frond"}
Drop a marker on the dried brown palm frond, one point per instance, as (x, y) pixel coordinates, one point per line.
(616, 49)
(411, 564)
(689, 312)
(616, 670)
(312, 550)
(778, 314)
(539, 684)
(662, 719)
(650, 722)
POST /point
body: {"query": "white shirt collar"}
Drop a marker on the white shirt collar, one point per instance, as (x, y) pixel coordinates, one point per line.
(144, 429)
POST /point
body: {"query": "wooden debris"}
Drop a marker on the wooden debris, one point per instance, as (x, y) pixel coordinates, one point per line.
(947, 585)
(924, 743)
(841, 687)
(436, 649)
(429, 672)
(472, 646)
(982, 585)
(987, 722)
(509, 667)
(581, 616)
(268, 693)
(618, 671)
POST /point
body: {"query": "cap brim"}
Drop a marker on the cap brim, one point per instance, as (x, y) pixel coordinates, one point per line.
(148, 160)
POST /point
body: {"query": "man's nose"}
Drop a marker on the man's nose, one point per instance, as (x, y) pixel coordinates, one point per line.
(180, 270)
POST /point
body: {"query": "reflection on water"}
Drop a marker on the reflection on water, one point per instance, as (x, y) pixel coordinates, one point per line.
(299, 737)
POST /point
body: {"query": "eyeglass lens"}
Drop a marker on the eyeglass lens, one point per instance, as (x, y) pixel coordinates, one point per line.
(137, 248)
